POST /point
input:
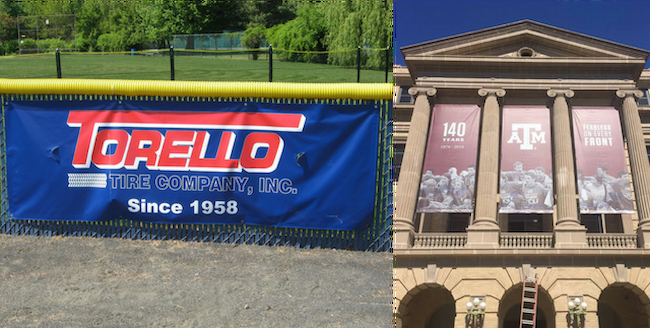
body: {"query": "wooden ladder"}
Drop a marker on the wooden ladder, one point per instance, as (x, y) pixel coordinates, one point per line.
(529, 303)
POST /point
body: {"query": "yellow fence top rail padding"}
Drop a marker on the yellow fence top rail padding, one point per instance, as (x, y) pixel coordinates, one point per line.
(365, 91)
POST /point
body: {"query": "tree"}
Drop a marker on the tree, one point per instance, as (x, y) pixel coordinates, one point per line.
(208, 16)
(263, 14)
(253, 38)
(305, 33)
(338, 27)
(353, 23)
(12, 8)
(8, 34)
(126, 23)
(156, 29)
(269, 13)
(91, 23)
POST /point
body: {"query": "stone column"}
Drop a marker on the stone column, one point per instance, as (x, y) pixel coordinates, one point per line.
(569, 233)
(638, 162)
(411, 171)
(484, 231)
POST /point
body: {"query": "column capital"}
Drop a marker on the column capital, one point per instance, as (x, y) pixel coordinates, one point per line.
(415, 91)
(489, 92)
(629, 93)
(560, 93)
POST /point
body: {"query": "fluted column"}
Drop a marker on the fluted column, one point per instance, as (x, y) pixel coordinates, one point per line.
(484, 231)
(638, 162)
(568, 231)
(411, 170)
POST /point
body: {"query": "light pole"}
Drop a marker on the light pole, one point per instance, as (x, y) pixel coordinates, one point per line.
(476, 312)
(577, 309)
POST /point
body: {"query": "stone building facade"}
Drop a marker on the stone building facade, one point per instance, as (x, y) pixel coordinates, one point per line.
(446, 260)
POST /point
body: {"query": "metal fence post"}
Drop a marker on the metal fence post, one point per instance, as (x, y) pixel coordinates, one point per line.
(359, 64)
(171, 60)
(270, 63)
(388, 51)
(58, 64)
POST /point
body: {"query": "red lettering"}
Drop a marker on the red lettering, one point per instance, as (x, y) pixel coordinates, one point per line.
(176, 150)
(222, 162)
(90, 122)
(85, 120)
(256, 140)
(104, 140)
(137, 151)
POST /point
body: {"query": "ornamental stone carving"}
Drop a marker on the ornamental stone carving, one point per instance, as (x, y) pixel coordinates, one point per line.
(415, 91)
(560, 93)
(629, 93)
(490, 92)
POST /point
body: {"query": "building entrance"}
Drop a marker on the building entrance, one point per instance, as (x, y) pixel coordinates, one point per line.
(510, 309)
(621, 307)
(429, 308)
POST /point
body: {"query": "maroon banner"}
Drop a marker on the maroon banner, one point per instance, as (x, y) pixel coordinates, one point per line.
(603, 181)
(449, 170)
(526, 160)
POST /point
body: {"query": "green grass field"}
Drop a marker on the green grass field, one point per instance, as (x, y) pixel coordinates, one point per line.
(187, 68)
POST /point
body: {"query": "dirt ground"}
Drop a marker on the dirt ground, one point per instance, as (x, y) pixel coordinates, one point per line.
(88, 282)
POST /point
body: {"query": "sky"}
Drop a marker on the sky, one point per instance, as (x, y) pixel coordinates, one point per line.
(624, 21)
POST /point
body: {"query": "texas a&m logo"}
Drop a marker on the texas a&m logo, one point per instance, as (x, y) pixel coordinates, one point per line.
(104, 141)
(532, 134)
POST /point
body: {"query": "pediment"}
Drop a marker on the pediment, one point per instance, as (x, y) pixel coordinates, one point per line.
(540, 40)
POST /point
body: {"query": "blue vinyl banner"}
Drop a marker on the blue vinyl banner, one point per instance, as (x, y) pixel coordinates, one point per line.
(193, 162)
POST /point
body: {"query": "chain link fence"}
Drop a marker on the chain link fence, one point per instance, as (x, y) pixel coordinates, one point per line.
(376, 237)
(274, 65)
(46, 33)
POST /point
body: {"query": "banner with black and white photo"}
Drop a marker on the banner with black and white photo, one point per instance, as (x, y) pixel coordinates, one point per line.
(603, 180)
(449, 171)
(526, 184)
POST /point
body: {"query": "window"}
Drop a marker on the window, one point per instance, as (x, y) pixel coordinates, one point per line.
(526, 52)
(458, 222)
(593, 222)
(398, 154)
(613, 223)
(441, 222)
(602, 223)
(404, 96)
(528, 222)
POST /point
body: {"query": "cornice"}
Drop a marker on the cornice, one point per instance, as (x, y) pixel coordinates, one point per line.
(531, 68)
(470, 257)
(442, 83)
(539, 83)
(644, 79)
(524, 60)
(419, 252)
(527, 27)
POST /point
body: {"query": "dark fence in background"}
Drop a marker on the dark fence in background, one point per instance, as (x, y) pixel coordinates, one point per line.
(46, 33)
(212, 41)
(376, 237)
(259, 61)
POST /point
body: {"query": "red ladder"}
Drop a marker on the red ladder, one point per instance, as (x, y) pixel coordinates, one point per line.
(528, 303)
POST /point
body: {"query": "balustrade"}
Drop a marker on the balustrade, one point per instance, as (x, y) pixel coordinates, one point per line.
(612, 240)
(440, 240)
(526, 240)
(519, 240)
